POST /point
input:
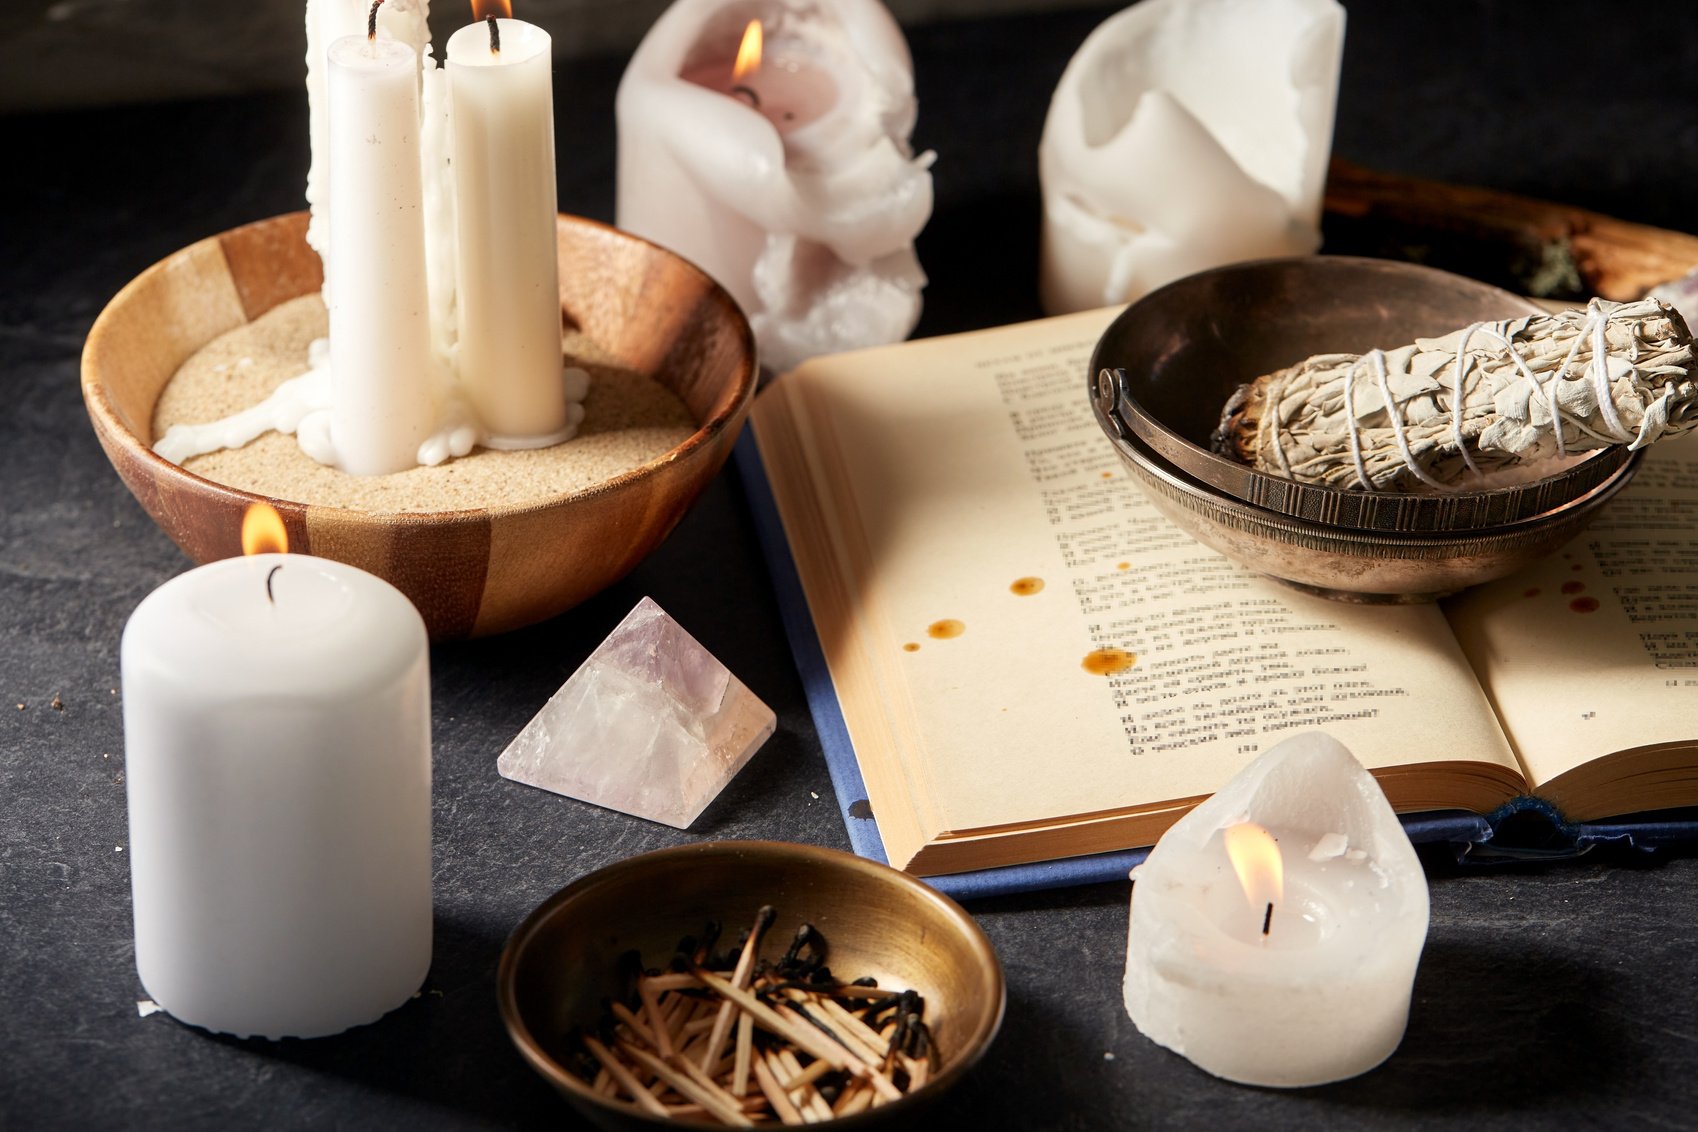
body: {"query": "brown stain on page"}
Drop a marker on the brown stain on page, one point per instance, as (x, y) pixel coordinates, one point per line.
(1026, 587)
(1108, 662)
(1573, 587)
(945, 629)
(1584, 605)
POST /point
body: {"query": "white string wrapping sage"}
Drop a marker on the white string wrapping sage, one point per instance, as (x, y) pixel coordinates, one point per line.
(1442, 413)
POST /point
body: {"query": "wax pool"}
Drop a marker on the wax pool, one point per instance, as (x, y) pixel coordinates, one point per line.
(1323, 993)
(277, 748)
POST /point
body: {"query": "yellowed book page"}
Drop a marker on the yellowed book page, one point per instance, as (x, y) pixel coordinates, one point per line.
(996, 554)
(1595, 650)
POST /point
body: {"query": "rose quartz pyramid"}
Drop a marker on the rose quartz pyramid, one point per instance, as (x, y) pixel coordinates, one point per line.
(651, 725)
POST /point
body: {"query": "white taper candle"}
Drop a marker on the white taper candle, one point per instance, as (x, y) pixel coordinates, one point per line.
(509, 282)
(385, 401)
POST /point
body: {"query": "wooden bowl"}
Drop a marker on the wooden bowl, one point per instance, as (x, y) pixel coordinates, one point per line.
(473, 572)
(564, 960)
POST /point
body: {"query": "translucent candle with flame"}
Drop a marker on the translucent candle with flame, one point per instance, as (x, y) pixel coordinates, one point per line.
(1276, 928)
(789, 91)
(277, 748)
(767, 141)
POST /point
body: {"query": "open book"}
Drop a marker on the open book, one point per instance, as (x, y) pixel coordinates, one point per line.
(1031, 663)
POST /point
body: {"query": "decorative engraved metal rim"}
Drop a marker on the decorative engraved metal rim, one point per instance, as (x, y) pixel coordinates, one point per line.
(1394, 512)
(1234, 514)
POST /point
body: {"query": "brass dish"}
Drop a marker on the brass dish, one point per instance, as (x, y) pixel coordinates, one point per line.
(564, 959)
(1354, 565)
(1164, 368)
(473, 572)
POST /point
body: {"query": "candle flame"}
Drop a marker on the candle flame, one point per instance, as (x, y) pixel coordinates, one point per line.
(748, 53)
(501, 9)
(263, 531)
(1256, 859)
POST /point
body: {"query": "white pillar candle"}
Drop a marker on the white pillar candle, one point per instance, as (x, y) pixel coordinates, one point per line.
(793, 184)
(1323, 993)
(385, 397)
(277, 750)
(509, 285)
(328, 21)
(1183, 135)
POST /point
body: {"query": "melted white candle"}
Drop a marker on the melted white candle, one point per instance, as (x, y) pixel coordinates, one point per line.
(1185, 134)
(301, 405)
(789, 88)
(1324, 994)
(384, 398)
(802, 201)
(288, 405)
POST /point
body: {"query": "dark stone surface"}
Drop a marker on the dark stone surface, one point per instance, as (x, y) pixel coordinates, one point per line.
(1555, 996)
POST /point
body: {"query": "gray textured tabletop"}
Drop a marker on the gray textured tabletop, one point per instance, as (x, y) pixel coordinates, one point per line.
(1562, 995)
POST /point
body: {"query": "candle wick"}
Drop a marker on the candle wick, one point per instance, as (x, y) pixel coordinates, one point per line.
(494, 35)
(1267, 918)
(371, 23)
(748, 93)
(272, 598)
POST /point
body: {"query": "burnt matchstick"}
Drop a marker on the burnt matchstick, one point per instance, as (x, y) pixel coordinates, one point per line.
(725, 1110)
(639, 1027)
(795, 1009)
(819, 1053)
(741, 1064)
(710, 937)
(798, 1084)
(627, 1080)
(808, 939)
(661, 1034)
(740, 978)
(814, 1044)
(781, 1103)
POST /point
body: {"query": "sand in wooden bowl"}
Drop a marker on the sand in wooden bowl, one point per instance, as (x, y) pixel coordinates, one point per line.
(629, 419)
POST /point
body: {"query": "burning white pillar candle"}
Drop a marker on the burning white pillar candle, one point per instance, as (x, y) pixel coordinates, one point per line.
(502, 99)
(1183, 135)
(328, 21)
(277, 749)
(385, 395)
(1276, 928)
(788, 177)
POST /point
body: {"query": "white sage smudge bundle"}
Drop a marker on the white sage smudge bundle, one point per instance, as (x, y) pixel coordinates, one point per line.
(1442, 412)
